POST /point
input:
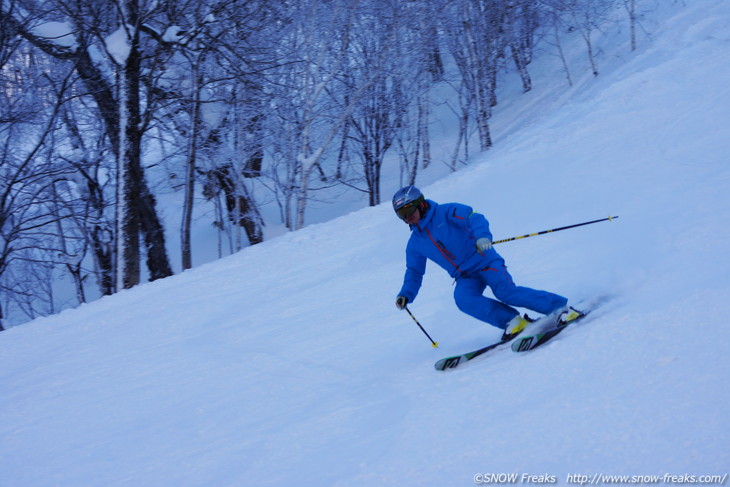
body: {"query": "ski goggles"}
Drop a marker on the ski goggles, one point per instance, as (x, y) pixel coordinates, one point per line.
(407, 210)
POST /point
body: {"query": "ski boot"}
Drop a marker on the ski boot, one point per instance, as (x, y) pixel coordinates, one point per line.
(568, 315)
(515, 326)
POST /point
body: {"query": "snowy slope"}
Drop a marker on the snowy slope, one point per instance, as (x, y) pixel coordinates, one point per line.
(287, 363)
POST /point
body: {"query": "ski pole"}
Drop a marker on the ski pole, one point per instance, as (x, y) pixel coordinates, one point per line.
(610, 218)
(433, 344)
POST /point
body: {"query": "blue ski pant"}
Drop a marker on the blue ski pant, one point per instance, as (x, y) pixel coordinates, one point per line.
(469, 297)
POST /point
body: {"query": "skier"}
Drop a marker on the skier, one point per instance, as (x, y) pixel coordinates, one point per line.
(458, 239)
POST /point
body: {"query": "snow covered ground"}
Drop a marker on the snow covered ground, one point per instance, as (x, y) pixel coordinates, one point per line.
(288, 364)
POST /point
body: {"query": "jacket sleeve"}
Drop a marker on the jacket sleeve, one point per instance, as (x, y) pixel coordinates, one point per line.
(415, 269)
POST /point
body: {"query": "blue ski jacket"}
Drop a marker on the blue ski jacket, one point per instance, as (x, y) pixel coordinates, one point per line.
(447, 235)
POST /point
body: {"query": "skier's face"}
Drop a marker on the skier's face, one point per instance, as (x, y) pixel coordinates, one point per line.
(413, 218)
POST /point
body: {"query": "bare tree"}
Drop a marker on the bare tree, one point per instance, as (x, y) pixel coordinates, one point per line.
(381, 59)
(28, 171)
(306, 118)
(473, 35)
(630, 6)
(520, 22)
(216, 108)
(89, 180)
(554, 14)
(586, 17)
(243, 48)
(118, 30)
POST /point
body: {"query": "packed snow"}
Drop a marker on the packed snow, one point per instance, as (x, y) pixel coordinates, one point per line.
(288, 363)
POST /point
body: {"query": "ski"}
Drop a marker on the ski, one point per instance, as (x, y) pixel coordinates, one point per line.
(534, 335)
(452, 362)
(530, 339)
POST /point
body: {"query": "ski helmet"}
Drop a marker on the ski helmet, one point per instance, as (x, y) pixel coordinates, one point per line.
(407, 200)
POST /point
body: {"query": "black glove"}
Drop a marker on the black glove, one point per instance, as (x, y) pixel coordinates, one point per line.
(401, 302)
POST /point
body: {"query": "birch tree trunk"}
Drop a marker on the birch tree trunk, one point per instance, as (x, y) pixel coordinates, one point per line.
(190, 165)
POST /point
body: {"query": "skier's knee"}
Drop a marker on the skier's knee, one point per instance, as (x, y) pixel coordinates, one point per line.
(465, 303)
(505, 292)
